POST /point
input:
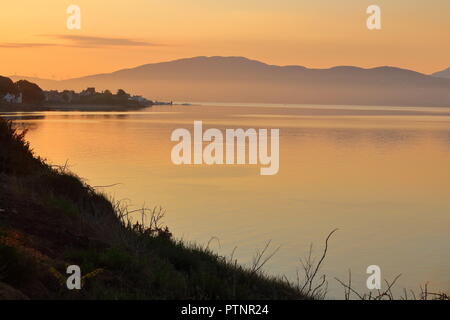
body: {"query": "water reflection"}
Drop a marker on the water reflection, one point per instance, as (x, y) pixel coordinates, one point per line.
(95, 116)
(384, 181)
(18, 117)
(355, 137)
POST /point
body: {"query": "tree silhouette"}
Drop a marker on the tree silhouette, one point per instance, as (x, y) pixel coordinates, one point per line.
(7, 86)
(31, 92)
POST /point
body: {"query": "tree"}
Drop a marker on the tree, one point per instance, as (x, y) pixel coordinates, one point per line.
(65, 97)
(122, 94)
(31, 92)
(7, 86)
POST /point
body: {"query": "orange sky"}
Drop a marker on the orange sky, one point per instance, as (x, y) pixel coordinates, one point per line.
(34, 40)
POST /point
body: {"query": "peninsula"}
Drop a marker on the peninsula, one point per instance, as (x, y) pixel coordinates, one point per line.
(25, 96)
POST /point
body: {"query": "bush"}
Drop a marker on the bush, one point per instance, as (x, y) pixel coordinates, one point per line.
(16, 156)
(15, 267)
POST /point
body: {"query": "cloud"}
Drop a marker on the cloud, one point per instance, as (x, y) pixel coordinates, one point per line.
(26, 45)
(82, 42)
(89, 41)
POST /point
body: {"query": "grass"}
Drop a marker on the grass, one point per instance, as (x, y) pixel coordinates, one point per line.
(15, 266)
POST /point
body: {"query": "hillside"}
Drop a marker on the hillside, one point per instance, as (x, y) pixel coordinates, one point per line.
(442, 74)
(238, 79)
(50, 219)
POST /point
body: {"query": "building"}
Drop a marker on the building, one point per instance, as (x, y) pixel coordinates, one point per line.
(141, 100)
(53, 96)
(88, 92)
(71, 96)
(66, 96)
(12, 98)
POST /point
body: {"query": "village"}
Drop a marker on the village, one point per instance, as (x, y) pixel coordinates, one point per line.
(12, 98)
(24, 93)
(87, 96)
(90, 95)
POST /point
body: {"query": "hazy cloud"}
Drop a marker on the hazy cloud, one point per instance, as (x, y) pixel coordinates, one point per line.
(90, 41)
(26, 45)
(82, 42)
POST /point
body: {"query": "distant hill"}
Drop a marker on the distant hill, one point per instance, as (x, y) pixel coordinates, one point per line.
(43, 83)
(238, 79)
(442, 74)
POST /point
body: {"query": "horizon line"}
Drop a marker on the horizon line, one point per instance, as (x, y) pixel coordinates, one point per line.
(216, 56)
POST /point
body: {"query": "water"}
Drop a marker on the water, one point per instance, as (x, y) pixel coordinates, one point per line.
(380, 175)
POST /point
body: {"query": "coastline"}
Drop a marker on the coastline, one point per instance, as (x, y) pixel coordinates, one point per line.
(68, 107)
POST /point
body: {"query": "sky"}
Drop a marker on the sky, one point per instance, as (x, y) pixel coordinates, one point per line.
(35, 40)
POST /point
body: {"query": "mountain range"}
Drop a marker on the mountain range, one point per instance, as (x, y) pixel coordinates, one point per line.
(442, 74)
(238, 79)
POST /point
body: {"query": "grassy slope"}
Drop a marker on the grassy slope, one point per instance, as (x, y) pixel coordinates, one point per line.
(50, 219)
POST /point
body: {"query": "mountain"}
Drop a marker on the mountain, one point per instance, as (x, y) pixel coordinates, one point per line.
(442, 74)
(45, 83)
(238, 79)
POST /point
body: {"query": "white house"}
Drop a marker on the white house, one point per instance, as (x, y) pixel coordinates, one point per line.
(11, 98)
(139, 99)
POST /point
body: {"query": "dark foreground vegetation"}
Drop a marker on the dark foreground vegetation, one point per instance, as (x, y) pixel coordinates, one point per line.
(50, 219)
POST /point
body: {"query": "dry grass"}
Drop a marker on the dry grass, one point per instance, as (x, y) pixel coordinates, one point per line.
(387, 294)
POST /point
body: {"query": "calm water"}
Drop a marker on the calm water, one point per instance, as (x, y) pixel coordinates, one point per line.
(380, 175)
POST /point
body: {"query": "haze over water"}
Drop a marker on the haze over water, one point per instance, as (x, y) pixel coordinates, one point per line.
(379, 174)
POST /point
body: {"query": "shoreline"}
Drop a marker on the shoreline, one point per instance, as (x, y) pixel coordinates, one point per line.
(71, 107)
